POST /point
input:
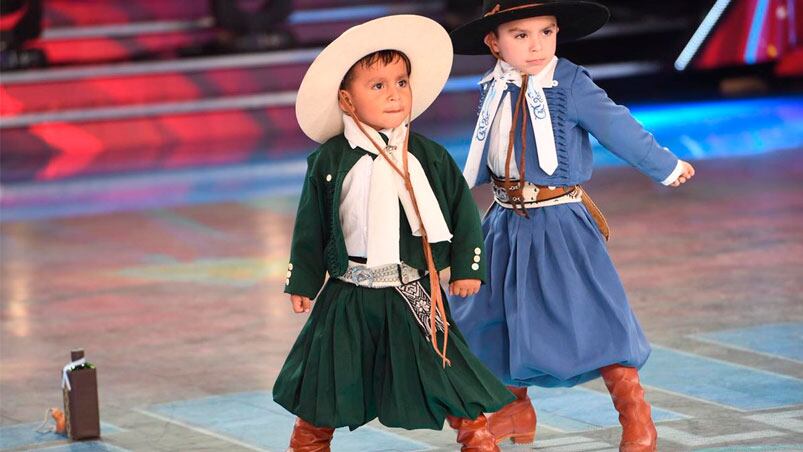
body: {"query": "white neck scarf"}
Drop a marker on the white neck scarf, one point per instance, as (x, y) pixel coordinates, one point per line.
(387, 189)
(540, 118)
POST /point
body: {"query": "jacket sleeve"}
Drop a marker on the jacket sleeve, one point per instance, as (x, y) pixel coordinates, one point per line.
(307, 269)
(619, 131)
(467, 259)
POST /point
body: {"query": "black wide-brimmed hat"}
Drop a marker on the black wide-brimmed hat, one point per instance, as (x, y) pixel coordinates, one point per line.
(575, 19)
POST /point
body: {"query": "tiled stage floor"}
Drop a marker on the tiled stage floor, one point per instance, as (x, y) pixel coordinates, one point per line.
(182, 311)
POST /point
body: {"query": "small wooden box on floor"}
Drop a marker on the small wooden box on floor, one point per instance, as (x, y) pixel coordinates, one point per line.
(81, 402)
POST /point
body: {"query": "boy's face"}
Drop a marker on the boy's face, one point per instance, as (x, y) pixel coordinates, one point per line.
(526, 44)
(380, 94)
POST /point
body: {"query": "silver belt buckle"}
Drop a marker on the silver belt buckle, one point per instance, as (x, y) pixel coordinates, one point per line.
(499, 193)
(359, 275)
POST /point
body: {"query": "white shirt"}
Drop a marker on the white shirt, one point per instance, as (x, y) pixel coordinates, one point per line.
(373, 230)
(354, 206)
(497, 157)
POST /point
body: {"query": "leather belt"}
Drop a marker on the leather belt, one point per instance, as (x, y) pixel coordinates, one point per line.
(522, 196)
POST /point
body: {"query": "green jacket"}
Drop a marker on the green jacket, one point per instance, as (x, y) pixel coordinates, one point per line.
(319, 247)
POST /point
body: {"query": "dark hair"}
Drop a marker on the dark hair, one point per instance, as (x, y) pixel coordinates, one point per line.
(382, 56)
(495, 30)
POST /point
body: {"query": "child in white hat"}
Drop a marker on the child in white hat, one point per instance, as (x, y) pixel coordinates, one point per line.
(382, 211)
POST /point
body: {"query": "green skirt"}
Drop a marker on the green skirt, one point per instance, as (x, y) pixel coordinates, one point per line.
(361, 356)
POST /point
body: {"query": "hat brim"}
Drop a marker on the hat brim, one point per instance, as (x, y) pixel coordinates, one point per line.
(575, 20)
(425, 42)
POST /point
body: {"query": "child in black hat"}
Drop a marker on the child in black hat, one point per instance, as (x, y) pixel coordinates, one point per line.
(554, 312)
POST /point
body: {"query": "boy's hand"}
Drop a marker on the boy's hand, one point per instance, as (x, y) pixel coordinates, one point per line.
(301, 304)
(464, 287)
(685, 175)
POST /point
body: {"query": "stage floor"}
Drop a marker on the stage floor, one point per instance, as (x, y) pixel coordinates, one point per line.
(182, 311)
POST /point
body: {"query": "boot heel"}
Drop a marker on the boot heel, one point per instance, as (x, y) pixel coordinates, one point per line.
(527, 438)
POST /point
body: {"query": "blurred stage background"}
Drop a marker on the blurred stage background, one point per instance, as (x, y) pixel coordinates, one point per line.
(195, 100)
(150, 166)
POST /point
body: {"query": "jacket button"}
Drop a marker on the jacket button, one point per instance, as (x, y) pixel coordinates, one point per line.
(328, 178)
(478, 251)
(476, 259)
(475, 267)
(290, 267)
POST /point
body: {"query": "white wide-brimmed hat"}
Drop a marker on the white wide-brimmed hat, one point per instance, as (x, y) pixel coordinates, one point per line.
(423, 40)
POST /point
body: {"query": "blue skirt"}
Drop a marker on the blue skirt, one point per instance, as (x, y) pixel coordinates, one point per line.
(554, 310)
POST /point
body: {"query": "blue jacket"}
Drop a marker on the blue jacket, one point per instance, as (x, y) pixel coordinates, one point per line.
(579, 107)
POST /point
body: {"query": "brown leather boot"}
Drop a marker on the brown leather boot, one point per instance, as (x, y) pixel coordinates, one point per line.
(473, 434)
(638, 430)
(515, 420)
(309, 438)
